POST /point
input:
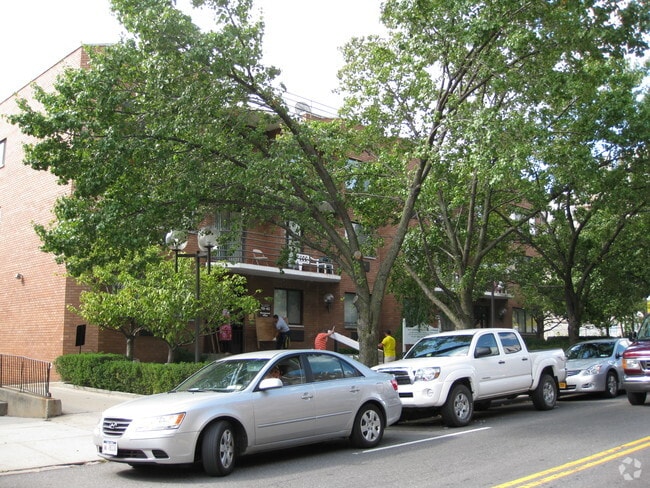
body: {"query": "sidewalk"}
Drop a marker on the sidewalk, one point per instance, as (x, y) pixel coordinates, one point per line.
(27, 443)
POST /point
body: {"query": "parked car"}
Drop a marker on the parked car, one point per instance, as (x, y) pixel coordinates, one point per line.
(595, 366)
(451, 373)
(248, 403)
(636, 365)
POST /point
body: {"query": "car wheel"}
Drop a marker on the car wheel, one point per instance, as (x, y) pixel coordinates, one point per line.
(459, 407)
(611, 385)
(636, 397)
(368, 427)
(218, 451)
(545, 395)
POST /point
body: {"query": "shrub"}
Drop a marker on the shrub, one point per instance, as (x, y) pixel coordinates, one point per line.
(533, 343)
(84, 369)
(116, 373)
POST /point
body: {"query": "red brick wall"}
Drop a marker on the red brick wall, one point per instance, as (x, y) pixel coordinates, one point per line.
(32, 308)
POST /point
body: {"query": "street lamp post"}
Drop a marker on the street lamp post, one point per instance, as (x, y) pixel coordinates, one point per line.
(206, 241)
(492, 314)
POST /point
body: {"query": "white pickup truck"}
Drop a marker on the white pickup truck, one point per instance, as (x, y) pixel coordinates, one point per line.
(452, 373)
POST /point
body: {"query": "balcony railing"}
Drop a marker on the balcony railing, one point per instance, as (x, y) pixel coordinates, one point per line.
(258, 253)
(25, 375)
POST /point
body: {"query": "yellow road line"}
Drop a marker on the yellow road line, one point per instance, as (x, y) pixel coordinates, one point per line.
(567, 469)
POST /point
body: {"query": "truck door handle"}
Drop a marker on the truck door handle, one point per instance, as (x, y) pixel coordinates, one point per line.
(502, 362)
(524, 359)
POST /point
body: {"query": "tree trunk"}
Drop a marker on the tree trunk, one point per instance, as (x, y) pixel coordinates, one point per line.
(130, 344)
(573, 317)
(367, 328)
(465, 320)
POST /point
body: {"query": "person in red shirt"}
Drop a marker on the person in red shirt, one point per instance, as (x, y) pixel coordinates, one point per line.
(321, 339)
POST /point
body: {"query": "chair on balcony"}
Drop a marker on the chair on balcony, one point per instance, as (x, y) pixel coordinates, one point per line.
(301, 260)
(259, 256)
(324, 265)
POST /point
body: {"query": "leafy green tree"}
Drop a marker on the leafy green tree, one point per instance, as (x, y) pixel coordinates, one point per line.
(591, 259)
(506, 107)
(170, 301)
(621, 283)
(149, 292)
(174, 122)
(112, 300)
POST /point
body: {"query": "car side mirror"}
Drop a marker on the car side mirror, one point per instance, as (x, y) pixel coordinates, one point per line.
(482, 351)
(270, 384)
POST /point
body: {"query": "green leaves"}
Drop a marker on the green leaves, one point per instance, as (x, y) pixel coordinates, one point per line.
(465, 114)
(149, 291)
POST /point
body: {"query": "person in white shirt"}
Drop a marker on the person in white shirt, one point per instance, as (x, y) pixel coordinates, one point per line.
(282, 338)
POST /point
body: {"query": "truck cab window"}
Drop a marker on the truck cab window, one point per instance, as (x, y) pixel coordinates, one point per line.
(509, 342)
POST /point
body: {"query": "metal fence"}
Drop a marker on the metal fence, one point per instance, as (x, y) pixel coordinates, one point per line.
(25, 375)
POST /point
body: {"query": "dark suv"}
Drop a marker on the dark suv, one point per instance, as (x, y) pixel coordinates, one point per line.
(636, 366)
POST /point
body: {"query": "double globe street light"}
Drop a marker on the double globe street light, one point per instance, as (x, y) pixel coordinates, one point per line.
(206, 239)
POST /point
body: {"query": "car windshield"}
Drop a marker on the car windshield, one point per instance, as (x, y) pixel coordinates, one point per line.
(438, 346)
(223, 376)
(591, 350)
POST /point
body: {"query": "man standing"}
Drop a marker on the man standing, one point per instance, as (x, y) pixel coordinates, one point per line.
(388, 345)
(321, 339)
(282, 338)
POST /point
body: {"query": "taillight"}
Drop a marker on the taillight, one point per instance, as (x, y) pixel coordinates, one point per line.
(394, 383)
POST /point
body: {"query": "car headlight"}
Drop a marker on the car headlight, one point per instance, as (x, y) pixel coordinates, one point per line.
(631, 363)
(163, 422)
(595, 369)
(427, 374)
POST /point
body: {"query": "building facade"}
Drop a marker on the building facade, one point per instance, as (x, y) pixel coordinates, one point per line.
(306, 287)
(36, 294)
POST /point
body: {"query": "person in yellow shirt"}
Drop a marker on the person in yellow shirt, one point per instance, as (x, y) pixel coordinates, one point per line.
(388, 346)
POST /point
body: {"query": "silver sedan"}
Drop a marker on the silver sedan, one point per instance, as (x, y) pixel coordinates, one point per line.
(249, 403)
(595, 366)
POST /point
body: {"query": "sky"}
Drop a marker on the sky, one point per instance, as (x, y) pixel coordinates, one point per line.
(302, 38)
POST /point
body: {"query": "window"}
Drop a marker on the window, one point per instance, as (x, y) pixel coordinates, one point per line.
(523, 321)
(3, 144)
(291, 371)
(288, 303)
(510, 342)
(350, 312)
(488, 341)
(325, 367)
(229, 247)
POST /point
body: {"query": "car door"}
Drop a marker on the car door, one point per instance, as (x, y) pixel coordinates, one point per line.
(285, 414)
(516, 363)
(339, 390)
(489, 365)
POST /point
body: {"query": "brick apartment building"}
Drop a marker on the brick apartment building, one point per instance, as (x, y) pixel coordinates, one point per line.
(35, 293)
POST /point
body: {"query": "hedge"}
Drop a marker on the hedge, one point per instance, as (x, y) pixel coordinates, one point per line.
(116, 373)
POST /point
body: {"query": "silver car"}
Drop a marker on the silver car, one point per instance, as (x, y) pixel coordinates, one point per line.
(595, 366)
(249, 403)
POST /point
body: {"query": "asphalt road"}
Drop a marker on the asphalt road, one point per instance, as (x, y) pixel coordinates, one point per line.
(584, 442)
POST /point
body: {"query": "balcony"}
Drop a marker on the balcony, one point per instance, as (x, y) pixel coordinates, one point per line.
(258, 254)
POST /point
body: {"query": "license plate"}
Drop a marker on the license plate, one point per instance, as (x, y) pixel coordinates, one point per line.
(109, 447)
(562, 385)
